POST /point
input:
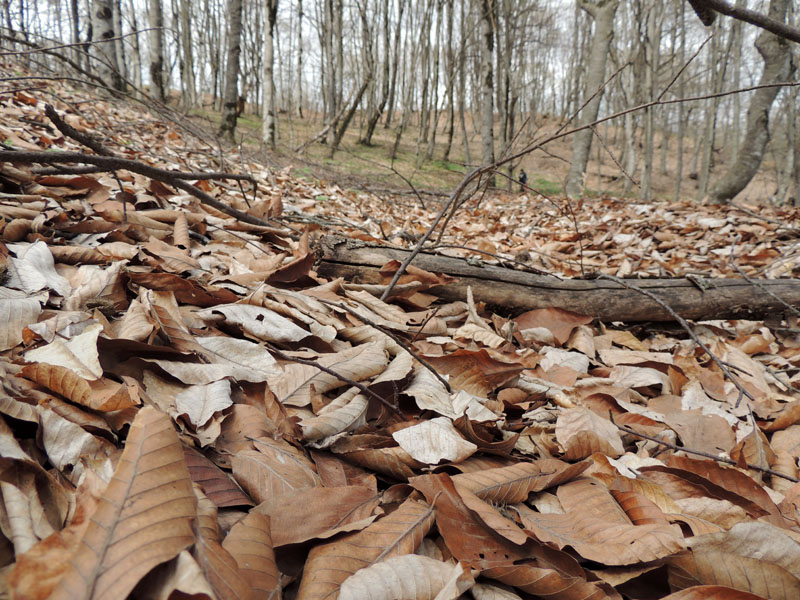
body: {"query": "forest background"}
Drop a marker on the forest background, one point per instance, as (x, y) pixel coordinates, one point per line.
(420, 92)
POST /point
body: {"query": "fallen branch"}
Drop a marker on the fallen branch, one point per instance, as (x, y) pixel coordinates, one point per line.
(108, 163)
(512, 291)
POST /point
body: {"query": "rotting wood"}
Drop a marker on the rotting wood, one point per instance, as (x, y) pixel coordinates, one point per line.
(513, 292)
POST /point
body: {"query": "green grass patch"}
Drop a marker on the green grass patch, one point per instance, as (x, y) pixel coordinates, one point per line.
(546, 187)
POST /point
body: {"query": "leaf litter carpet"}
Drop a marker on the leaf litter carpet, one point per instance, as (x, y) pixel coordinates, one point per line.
(188, 409)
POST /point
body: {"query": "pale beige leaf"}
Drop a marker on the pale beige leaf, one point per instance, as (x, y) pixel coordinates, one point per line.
(70, 448)
(408, 577)
(97, 284)
(293, 385)
(199, 403)
(242, 355)
(20, 522)
(33, 269)
(433, 441)
(486, 591)
(337, 420)
(723, 512)
(142, 519)
(472, 331)
(258, 321)
(78, 354)
(430, 394)
(18, 309)
(134, 324)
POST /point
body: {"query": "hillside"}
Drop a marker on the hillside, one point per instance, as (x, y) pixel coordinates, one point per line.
(190, 409)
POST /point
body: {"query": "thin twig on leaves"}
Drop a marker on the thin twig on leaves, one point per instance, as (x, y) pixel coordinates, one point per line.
(312, 363)
(688, 328)
(400, 342)
(752, 281)
(714, 457)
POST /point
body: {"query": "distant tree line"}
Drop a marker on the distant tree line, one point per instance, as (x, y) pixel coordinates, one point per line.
(443, 72)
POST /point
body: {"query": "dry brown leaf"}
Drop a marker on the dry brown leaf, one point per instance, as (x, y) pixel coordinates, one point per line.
(582, 432)
(219, 567)
(116, 551)
(329, 565)
(469, 538)
(712, 592)
(595, 526)
(556, 320)
(250, 544)
(475, 372)
(319, 512)
(275, 468)
(731, 570)
(215, 483)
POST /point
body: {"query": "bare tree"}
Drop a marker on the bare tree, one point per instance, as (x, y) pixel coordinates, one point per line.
(267, 80)
(188, 89)
(602, 11)
(778, 66)
(155, 15)
(488, 19)
(230, 101)
(103, 50)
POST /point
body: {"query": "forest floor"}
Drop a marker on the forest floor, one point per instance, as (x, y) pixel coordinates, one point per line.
(371, 167)
(188, 408)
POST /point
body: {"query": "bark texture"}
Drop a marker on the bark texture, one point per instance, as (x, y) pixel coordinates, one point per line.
(104, 52)
(778, 66)
(603, 14)
(230, 97)
(513, 292)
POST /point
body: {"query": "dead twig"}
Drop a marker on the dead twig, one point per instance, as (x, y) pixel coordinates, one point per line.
(713, 457)
(688, 328)
(396, 338)
(312, 363)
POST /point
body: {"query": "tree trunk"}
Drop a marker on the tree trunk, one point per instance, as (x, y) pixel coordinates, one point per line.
(778, 66)
(155, 17)
(377, 110)
(652, 56)
(395, 66)
(451, 77)
(487, 82)
(267, 78)
(188, 91)
(230, 98)
(603, 13)
(104, 53)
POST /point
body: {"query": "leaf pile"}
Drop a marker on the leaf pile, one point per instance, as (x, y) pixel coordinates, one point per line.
(188, 409)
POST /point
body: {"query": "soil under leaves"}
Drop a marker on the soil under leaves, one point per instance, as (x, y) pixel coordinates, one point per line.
(187, 408)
